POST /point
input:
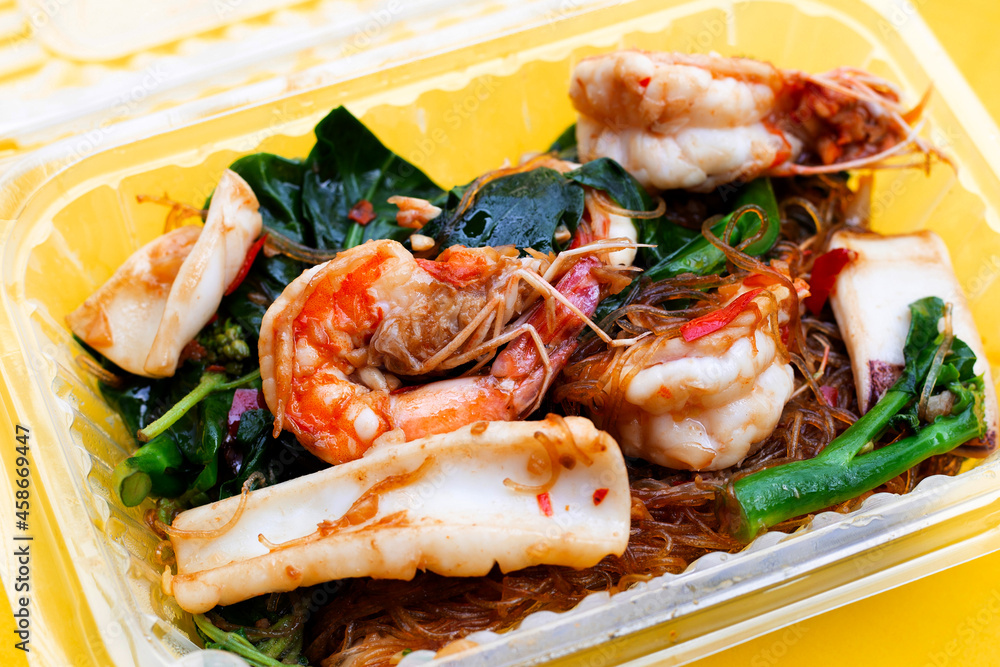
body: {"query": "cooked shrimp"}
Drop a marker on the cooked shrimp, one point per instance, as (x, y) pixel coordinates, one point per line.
(516, 494)
(700, 121)
(334, 343)
(698, 402)
(163, 295)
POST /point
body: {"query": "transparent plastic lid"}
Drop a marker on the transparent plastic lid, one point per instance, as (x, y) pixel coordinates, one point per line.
(67, 68)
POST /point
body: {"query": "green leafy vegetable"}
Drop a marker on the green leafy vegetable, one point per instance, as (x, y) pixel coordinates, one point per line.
(522, 209)
(696, 255)
(277, 182)
(252, 437)
(234, 642)
(666, 238)
(607, 175)
(525, 209)
(349, 164)
(700, 257)
(151, 469)
(565, 145)
(847, 466)
(263, 284)
(210, 382)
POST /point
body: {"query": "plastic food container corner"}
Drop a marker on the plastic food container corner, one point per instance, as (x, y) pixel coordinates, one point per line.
(68, 220)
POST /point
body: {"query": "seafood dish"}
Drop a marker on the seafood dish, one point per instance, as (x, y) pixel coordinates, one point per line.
(672, 331)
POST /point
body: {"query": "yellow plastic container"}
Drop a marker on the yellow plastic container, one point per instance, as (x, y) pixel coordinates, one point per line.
(69, 218)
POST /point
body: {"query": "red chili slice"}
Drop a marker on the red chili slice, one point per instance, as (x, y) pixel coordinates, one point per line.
(715, 320)
(362, 212)
(644, 81)
(545, 503)
(829, 393)
(247, 263)
(243, 400)
(826, 268)
(599, 496)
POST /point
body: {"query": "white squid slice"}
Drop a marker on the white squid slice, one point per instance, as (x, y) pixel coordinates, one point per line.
(512, 493)
(120, 320)
(166, 291)
(871, 300)
(231, 226)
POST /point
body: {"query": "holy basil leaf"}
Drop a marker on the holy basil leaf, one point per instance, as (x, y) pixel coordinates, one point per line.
(135, 402)
(607, 175)
(919, 349)
(522, 210)
(962, 359)
(565, 145)
(349, 164)
(277, 182)
(252, 436)
(207, 477)
(253, 424)
(666, 237)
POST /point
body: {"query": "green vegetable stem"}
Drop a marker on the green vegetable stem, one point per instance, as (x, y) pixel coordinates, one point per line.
(240, 645)
(850, 466)
(157, 468)
(149, 470)
(696, 255)
(700, 257)
(210, 382)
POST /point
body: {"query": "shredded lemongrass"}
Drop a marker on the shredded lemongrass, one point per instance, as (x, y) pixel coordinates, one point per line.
(102, 374)
(221, 530)
(609, 206)
(554, 469)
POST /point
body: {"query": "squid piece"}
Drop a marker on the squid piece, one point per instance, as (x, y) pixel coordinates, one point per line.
(512, 493)
(120, 320)
(163, 295)
(870, 302)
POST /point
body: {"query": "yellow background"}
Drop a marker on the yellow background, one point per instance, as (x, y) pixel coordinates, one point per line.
(951, 618)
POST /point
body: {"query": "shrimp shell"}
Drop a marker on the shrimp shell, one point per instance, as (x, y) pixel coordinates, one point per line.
(328, 339)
